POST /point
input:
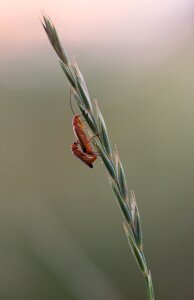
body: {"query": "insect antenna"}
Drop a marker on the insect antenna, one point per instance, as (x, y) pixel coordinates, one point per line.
(70, 102)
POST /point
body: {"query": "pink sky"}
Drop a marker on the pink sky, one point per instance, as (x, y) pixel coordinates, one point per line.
(139, 25)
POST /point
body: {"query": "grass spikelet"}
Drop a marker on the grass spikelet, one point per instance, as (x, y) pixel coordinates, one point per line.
(81, 86)
(103, 131)
(121, 176)
(54, 39)
(114, 167)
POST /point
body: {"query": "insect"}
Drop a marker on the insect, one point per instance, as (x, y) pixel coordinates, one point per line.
(79, 132)
(88, 159)
(81, 136)
(82, 148)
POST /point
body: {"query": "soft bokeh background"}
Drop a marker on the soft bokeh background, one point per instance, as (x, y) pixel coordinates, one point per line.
(61, 234)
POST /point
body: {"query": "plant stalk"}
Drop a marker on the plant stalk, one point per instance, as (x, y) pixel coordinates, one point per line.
(126, 201)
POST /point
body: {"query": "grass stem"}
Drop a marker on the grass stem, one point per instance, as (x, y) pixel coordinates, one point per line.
(111, 160)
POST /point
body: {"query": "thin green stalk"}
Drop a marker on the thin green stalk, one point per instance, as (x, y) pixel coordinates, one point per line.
(110, 158)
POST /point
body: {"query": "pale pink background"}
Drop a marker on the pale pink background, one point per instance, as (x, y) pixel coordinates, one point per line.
(146, 29)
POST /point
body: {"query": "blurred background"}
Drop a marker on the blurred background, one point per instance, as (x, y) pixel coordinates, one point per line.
(61, 234)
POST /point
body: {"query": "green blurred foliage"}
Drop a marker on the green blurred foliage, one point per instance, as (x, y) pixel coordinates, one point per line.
(61, 230)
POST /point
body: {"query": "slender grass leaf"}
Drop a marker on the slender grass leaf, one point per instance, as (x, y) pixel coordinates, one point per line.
(107, 161)
(121, 177)
(124, 208)
(68, 73)
(135, 250)
(150, 285)
(136, 221)
(103, 131)
(90, 120)
(81, 86)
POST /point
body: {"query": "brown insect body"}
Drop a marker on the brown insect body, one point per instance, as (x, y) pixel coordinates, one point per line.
(88, 159)
(81, 136)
